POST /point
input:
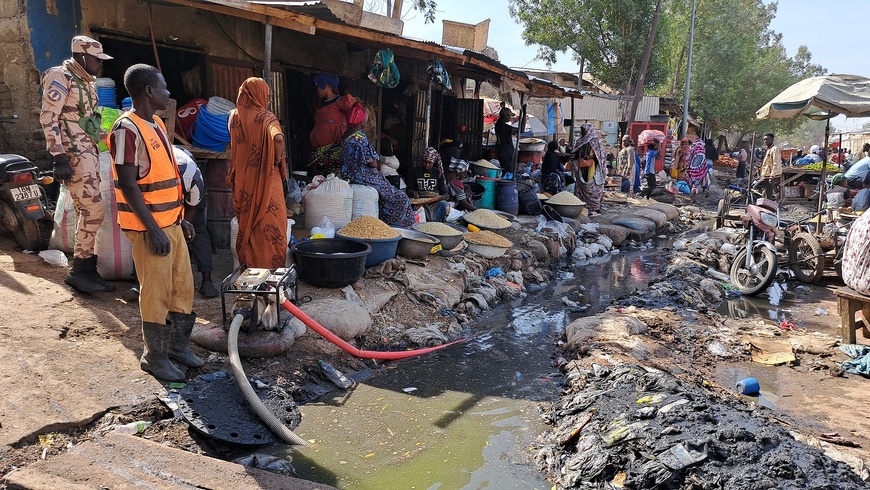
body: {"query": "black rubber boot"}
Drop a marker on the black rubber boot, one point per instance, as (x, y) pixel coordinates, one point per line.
(85, 278)
(155, 356)
(182, 325)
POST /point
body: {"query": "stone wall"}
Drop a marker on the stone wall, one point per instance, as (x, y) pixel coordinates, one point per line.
(19, 86)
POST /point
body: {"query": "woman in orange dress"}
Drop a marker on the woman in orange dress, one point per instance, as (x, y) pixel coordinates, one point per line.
(257, 176)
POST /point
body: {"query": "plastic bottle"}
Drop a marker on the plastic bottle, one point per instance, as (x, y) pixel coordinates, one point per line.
(133, 427)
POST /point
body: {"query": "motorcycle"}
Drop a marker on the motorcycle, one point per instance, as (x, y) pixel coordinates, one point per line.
(756, 263)
(23, 201)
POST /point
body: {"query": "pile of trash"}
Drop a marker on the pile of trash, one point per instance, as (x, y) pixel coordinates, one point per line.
(633, 427)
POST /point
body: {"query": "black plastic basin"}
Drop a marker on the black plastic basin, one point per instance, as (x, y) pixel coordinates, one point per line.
(330, 262)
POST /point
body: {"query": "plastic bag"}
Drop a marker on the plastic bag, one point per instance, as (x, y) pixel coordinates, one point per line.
(294, 193)
(325, 229)
(54, 257)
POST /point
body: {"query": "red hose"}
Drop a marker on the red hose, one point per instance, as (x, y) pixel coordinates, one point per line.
(368, 354)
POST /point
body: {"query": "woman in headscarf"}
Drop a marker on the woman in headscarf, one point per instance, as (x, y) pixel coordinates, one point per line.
(589, 181)
(330, 123)
(552, 169)
(359, 165)
(696, 167)
(257, 175)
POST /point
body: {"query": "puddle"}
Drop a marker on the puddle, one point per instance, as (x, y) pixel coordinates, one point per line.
(463, 417)
(755, 307)
(767, 377)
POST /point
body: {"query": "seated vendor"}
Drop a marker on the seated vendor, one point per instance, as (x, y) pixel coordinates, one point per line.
(459, 193)
(428, 182)
(861, 201)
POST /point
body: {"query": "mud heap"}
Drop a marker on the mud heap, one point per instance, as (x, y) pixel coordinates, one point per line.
(634, 427)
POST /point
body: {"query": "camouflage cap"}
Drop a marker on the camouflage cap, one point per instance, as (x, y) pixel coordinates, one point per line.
(86, 45)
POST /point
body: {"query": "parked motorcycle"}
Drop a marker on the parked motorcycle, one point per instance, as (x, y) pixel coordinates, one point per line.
(756, 263)
(23, 200)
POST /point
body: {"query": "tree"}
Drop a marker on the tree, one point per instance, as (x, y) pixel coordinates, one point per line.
(426, 7)
(606, 36)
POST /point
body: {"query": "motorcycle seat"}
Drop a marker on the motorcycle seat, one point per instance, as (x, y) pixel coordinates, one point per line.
(13, 164)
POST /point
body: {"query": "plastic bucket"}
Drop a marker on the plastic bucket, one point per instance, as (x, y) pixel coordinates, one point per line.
(528, 202)
(382, 249)
(219, 201)
(331, 263)
(487, 201)
(493, 173)
(506, 198)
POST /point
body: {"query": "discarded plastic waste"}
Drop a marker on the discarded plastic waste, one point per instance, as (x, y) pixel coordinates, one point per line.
(682, 455)
(334, 375)
(821, 311)
(748, 386)
(133, 427)
(774, 293)
(803, 289)
(54, 257)
(718, 349)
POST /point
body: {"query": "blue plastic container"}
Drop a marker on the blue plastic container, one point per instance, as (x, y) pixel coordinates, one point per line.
(382, 249)
(507, 198)
(748, 386)
(487, 201)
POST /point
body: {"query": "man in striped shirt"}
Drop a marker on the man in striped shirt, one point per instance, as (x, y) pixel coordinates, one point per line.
(195, 212)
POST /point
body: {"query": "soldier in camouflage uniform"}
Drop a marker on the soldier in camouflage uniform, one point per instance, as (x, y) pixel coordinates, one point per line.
(72, 132)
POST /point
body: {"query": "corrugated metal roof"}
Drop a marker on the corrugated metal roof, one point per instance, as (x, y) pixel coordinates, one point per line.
(313, 8)
(599, 107)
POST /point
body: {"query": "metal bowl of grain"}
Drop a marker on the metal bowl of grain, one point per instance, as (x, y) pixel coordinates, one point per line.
(415, 244)
(566, 204)
(449, 235)
(487, 220)
(488, 244)
(383, 239)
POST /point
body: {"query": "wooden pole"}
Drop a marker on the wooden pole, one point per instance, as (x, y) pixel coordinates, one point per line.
(267, 56)
(822, 178)
(647, 53)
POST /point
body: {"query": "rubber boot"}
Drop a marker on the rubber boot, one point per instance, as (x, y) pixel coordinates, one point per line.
(179, 349)
(84, 276)
(155, 356)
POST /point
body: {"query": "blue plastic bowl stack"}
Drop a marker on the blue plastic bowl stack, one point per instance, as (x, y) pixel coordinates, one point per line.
(210, 129)
(107, 95)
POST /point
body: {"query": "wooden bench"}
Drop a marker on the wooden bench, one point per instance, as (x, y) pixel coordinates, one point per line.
(850, 302)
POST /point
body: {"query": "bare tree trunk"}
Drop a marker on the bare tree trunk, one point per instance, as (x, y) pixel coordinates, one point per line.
(389, 8)
(638, 91)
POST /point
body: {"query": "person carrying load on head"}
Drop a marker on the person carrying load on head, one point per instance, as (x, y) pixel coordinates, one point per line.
(72, 132)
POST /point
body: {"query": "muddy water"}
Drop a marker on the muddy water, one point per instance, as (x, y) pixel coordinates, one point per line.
(463, 417)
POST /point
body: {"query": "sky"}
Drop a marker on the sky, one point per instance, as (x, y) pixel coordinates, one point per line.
(837, 47)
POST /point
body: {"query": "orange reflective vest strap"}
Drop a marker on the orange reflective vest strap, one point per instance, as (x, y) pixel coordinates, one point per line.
(160, 188)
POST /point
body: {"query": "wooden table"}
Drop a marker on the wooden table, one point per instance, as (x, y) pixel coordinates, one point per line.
(850, 302)
(796, 174)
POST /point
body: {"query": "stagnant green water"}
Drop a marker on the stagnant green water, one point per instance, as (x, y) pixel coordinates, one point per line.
(465, 417)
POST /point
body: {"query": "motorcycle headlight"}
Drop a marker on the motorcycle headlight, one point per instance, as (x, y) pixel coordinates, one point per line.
(768, 219)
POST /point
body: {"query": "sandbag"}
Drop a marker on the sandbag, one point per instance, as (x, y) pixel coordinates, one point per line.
(617, 234)
(347, 319)
(657, 217)
(365, 201)
(333, 198)
(63, 233)
(635, 223)
(671, 211)
(114, 251)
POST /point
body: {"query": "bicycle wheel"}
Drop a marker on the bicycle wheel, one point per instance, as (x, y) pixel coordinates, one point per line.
(806, 257)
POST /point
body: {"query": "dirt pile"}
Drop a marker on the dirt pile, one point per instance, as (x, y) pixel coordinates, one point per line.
(631, 427)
